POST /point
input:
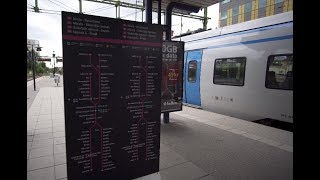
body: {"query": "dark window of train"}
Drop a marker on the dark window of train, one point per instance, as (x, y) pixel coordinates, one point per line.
(229, 71)
(192, 71)
(279, 72)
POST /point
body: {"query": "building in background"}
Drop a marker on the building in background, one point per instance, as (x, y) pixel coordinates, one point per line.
(237, 11)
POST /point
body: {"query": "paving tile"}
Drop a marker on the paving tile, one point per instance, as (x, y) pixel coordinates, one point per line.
(57, 124)
(44, 117)
(236, 131)
(60, 140)
(29, 138)
(58, 116)
(251, 136)
(29, 145)
(41, 174)
(59, 134)
(43, 131)
(59, 148)
(43, 126)
(185, 171)
(28, 153)
(44, 122)
(270, 142)
(42, 143)
(60, 158)
(41, 162)
(286, 147)
(32, 118)
(58, 128)
(164, 148)
(43, 136)
(33, 113)
(170, 158)
(31, 125)
(61, 171)
(30, 132)
(46, 151)
(209, 177)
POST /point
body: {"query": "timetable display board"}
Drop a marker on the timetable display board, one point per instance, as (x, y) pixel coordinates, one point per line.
(112, 81)
(172, 76)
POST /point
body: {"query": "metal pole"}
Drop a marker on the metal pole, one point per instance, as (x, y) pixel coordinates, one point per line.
(148, 7)
(33, 71)
(80, 6)
(142, 15)
(54, 63)
(205, 21)
(159, 11)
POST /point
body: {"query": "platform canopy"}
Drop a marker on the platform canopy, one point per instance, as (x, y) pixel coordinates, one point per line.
(196, 3)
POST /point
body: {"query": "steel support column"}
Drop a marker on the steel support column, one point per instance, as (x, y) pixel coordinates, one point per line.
(148, 7)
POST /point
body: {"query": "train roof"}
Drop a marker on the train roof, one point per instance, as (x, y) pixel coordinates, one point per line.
(248, 25)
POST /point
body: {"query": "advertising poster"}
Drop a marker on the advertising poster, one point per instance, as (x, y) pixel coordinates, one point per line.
(172, 76)
(112, 81)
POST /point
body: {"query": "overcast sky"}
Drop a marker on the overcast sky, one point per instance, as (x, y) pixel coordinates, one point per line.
(46, 26)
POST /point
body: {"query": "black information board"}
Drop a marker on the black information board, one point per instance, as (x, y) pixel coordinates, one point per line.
(172, 76)
(112, 75)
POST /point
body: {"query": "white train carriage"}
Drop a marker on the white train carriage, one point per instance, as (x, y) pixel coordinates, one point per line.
(243, 70)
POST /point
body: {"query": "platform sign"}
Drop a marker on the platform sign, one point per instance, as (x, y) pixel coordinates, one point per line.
(112, 75)
(172, 76)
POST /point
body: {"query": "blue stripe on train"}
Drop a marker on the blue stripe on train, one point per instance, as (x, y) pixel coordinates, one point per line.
(252, 41)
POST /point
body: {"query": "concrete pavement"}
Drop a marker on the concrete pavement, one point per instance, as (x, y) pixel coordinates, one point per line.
(195, 145)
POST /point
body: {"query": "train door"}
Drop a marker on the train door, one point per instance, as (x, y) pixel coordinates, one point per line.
(192, 78)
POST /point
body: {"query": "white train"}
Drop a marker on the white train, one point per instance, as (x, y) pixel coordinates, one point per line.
(242, 70)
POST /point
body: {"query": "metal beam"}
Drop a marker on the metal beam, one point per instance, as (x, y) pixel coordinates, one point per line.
(169, 14)
(136, 6)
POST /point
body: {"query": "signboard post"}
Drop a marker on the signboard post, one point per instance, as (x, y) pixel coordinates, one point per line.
(172, 76)
(112, 81)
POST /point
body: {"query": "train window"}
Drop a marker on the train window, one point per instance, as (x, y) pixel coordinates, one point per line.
(279, 72)
(192, 71)
(229, 71)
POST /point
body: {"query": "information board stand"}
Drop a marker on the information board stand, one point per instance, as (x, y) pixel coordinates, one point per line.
(172, 77)
(112, 90)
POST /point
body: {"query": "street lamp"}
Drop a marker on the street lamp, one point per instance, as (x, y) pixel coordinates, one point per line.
(54, 63)
(33, 63)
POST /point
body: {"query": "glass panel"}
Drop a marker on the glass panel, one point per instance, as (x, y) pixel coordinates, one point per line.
(278, 1)
(279, 72)
(192, 71)
(229, 71)
(235, 11)
(225, 1)
(223, 15)
(247, 7)
(262, 3)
